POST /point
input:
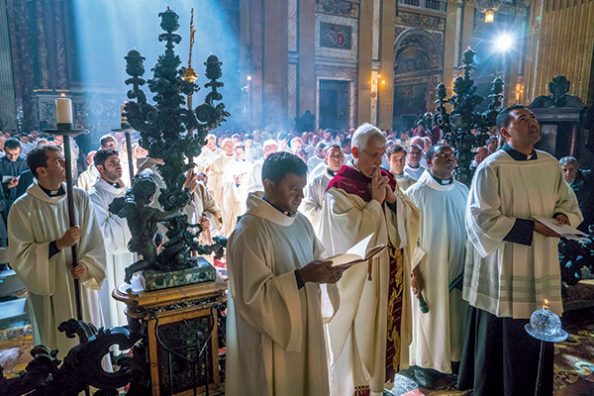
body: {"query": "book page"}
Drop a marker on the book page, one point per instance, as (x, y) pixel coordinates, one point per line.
(561, 229)
(357, 254)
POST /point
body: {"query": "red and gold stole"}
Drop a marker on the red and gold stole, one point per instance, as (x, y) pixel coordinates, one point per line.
(354, 182)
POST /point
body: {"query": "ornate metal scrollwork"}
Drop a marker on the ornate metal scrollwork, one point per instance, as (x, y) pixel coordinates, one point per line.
(170, 132)
(464, 128)
(82, 366)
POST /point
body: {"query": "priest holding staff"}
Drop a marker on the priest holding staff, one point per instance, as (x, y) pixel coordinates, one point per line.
(514, 264)
(370, 332)
(39, 250)
(275, 336)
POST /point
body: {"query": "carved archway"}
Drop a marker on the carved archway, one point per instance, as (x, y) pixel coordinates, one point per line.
(418, 64)
(416, 50)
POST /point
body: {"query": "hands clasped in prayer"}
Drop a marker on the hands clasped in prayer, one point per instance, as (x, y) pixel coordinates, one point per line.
(380, 188)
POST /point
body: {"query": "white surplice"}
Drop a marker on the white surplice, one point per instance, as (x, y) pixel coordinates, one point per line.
(414, 173)
(314, 196)
(116, 235)
(87, 178)
(254, 183)
(437, 335)
(215, 176)
(504, 278)
(275, 339)
(35, 220)
(358, 329)
(234, 194)
(404, 181)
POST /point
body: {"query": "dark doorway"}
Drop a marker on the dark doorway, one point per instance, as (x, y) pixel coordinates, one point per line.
(334, 104)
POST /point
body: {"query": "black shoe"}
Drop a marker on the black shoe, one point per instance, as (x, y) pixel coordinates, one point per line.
(423, 378)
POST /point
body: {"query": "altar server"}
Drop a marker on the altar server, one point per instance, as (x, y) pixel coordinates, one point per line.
(39, 250)
(115, 232)
(514, 264)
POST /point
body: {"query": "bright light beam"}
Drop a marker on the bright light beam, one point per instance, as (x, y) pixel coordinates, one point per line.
(503, 42)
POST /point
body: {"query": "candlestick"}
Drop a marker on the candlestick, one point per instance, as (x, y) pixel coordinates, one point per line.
(123, 118)
(64, 111)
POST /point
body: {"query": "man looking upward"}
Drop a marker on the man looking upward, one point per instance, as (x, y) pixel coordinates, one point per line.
(514, 264)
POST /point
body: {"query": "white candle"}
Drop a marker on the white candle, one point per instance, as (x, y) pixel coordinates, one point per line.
(64, 111)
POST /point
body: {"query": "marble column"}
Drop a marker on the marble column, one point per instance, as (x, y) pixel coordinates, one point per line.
(365, 62)
(274, 63)
(307, 51)
(386, 94)
(7, 93)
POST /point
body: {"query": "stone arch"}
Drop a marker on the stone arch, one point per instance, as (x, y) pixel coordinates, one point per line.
(416, 50)
(418, 65)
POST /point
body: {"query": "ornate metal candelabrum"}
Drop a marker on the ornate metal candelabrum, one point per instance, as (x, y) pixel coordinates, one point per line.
(464, 128)
(170, 132)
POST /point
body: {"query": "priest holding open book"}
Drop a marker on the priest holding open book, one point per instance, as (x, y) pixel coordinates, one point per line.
(369, 333)
(275, 336)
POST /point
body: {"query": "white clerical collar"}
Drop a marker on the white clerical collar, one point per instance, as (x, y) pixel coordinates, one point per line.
(428, 180)
(257, 206)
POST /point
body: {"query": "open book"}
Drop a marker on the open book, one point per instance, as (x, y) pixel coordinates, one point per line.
(359, 253)
(566, 231)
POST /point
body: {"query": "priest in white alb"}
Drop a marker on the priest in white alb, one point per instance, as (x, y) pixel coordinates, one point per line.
(513, 267)
(275, 336)
(115, 232)
(217, 167)
(397, 160)
(315, 191)
(235, 179)
(370, 332)
(437, 273)
(39, 250)
(255, 180)
(89, 176)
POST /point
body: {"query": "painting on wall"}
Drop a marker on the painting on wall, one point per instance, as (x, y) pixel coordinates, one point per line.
(335, 36)
(410, 99)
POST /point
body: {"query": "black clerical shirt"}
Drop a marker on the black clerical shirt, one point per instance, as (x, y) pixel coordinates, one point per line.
(53, 247)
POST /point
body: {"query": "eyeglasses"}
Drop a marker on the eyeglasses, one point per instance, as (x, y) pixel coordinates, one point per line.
(375, 156)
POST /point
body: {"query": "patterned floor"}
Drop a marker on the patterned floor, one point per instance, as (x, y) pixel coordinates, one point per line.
(574, 360)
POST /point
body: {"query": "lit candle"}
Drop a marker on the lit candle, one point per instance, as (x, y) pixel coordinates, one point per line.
(546, 304)
(64, 111)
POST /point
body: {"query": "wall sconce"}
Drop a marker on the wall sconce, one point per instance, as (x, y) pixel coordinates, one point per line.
(519, 92)
(376, 82)
(490, 15)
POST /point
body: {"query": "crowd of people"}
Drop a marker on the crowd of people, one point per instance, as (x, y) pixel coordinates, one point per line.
(461, 272)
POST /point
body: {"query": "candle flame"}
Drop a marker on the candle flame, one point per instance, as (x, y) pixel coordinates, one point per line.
(546, 304)
(63, 95)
